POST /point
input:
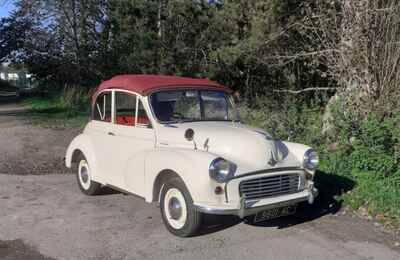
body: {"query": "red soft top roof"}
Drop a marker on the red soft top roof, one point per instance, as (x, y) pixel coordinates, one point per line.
(146, 84)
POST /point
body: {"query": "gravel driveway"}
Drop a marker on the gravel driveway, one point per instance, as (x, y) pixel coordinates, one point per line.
(51, 216)
(26, 149)
(47, 217)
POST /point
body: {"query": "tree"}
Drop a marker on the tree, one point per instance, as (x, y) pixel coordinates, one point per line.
(12, 32)
(275, 48)
(63, 41)
(358, 41)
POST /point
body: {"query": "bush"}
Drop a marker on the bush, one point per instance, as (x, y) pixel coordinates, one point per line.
(285, 120)
(77, 98)
(367, 151)
(369, 145)
(70, 109)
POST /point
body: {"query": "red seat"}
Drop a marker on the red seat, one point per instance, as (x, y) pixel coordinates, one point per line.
(143, 120)
(130, 120)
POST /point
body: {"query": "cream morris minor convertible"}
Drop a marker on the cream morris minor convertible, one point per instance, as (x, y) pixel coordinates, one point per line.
(179, 141)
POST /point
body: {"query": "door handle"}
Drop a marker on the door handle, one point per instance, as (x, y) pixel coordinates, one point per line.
(111, 133)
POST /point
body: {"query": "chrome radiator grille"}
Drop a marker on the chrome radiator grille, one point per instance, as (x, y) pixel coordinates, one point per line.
(270, 186)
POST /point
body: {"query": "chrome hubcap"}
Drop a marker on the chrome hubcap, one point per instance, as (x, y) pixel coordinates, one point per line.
(175, 208)
(84, 174)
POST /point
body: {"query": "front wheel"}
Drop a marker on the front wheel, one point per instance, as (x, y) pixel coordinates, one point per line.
(177, 210)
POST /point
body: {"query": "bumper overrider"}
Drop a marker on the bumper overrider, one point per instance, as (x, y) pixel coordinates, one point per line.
(246, 207)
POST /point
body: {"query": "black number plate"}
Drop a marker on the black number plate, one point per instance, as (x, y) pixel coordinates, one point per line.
(274, 213)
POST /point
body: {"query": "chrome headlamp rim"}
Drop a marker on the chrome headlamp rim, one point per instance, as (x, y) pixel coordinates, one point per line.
(221, 173)
(310, 160)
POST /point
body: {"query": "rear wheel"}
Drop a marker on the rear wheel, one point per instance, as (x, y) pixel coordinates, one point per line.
(177, 210)
(84, 177)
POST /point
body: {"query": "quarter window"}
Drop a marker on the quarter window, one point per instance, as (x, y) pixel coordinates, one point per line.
(102, 107)
(142, 119)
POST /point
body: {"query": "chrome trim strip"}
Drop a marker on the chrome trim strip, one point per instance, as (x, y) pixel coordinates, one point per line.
(226, 192)
(273, 170)
(243, 211)
(216, 211)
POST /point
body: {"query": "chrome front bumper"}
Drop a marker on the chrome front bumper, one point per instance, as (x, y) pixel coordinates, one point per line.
(251, 207)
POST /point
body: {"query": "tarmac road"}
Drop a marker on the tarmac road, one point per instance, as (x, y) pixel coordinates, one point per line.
(48, 217)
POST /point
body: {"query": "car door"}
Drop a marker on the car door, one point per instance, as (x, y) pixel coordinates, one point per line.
(100, 128)
(133, 137)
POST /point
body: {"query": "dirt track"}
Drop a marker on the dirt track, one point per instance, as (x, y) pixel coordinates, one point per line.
(47, 217)
(25, 149)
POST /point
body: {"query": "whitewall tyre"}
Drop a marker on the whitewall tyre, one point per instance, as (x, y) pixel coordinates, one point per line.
(84, 177)
(177, 210)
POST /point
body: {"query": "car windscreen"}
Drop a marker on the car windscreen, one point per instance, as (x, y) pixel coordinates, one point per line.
(193, 105)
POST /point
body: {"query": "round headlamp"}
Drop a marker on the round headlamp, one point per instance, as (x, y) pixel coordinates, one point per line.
(221, 170)
(310, 160)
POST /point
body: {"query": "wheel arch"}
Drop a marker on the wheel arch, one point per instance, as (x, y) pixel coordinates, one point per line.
(190, 166)
(75, 156)
(80, 145)
(160, 180)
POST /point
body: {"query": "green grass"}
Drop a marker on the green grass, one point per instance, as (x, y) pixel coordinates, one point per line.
(381, 197)
(56, 113)
(361, 189)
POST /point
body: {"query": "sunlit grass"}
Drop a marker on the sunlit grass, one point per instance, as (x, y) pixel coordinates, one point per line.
(55, 113)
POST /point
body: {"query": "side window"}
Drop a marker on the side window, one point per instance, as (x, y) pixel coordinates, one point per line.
(125, 108)
(102, 107)
(142, 119)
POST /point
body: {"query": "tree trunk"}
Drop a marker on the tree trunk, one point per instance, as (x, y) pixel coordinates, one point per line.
(162, 16)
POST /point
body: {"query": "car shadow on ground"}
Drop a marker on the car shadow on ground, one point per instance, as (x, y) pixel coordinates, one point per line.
(108, 191)
(214, 223)
(17, 249)
(330, 186)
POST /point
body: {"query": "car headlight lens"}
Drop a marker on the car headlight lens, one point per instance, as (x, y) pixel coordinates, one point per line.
(310, 160)
(221, 170)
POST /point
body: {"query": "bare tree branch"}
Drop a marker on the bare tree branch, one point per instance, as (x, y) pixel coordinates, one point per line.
(303, 90)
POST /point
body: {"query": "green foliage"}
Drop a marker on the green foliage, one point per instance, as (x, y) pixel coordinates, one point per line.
(12, 34)
(286, 119)
(248, 45)
(365, 159)
(366, 152)
(66, 111)
(370, 144)
(379, 195)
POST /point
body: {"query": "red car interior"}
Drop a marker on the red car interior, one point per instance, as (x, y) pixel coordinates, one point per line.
(130, 120)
